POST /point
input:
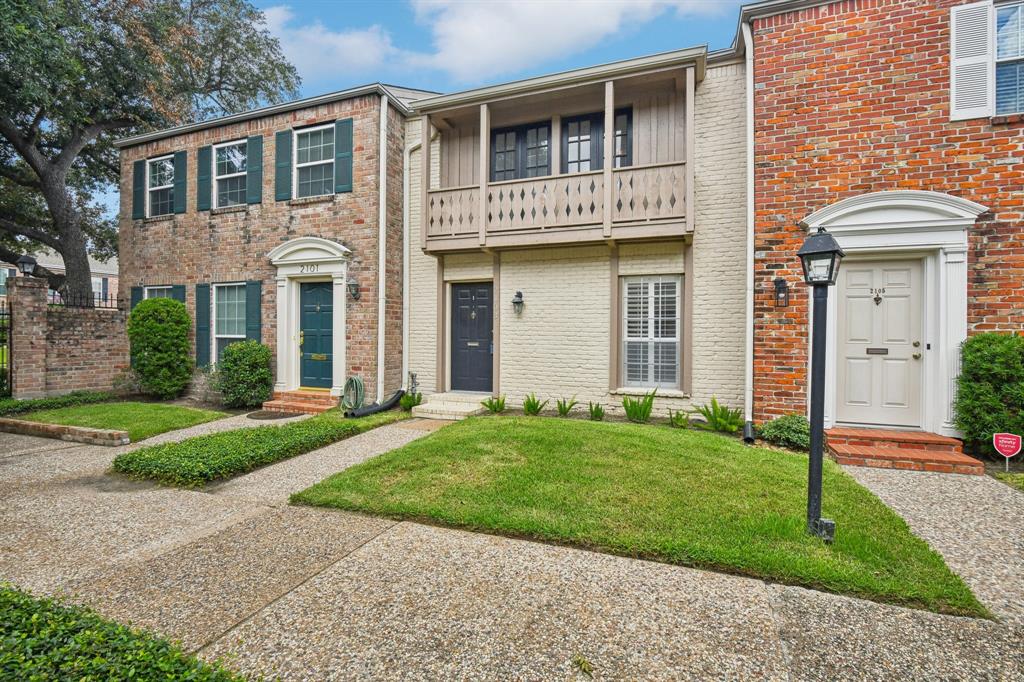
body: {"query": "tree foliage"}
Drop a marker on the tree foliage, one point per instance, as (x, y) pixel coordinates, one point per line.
(76, 73)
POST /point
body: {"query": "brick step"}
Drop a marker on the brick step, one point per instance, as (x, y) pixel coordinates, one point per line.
(905, 458)
(306, 397)
(296, 406)
(886, 438)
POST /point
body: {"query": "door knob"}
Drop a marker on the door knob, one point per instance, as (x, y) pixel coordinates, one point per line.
(917, 344)
(916, 356)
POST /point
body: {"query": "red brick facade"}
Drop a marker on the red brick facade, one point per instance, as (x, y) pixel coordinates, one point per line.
(853, 97)
(231, 245)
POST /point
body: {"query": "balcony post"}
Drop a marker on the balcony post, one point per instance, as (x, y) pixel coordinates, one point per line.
(690, 144)
(609, 153)
(485, 171)
(555, 145)
(424, 180)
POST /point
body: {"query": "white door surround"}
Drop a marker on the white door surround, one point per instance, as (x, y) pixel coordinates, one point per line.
(308, 259)
(904, 225)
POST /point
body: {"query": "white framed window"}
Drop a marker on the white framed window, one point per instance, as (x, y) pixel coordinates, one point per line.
(5, 274)
(229, 173)
(1009, 58)
(314, 161)
(156, 292)
(650, 331)
(160, 186)
(228, 316)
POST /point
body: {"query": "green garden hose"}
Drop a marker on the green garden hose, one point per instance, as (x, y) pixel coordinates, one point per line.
(352, 396)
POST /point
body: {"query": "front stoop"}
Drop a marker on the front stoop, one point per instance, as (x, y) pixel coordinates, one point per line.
(452, 406)
(888, 449)
(303, 402)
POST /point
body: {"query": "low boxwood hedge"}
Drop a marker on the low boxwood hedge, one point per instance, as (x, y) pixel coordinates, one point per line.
(10, 406)
(197, 461)
(43, 639)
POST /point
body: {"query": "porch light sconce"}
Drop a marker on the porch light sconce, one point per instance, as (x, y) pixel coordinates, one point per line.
(781, 292)
(27, 265)
(518, 303)
(353, 289)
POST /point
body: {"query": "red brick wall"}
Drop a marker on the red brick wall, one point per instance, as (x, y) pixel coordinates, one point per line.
(853, 97)
(231, 245)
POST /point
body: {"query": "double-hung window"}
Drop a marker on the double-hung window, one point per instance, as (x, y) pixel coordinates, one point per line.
(157, 292)
(229, 172)
(160, 186)
(100, 288)
(314, 161)
(1010, 58)
(521, 152)
(228, 316)
(650, 331)
(5, 274)
(583, 142)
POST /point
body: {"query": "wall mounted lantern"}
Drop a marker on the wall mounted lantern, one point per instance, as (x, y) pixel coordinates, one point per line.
(353, 289)
(26, 264)
(781, 292)
(518, 303)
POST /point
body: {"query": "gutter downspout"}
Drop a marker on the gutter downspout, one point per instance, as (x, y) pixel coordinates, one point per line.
(382, 235)
(748, 369)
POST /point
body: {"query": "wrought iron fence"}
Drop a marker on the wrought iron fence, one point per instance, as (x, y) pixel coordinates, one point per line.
(6, 358)
(96, 300)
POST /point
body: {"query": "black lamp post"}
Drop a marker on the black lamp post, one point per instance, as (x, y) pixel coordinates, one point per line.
(27, 265)
(820, 256)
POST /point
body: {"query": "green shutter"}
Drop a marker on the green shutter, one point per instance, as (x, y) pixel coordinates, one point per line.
(178, 292)
(136, 297)
(254, 170)
(343, 155)
(204, 178)
(202, 325)
(283, 165)
(253, 298)
(138, 190)
(180, 181)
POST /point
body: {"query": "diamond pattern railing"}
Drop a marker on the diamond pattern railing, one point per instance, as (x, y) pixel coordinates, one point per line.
(453, 211)
(548, 202)
(649, 193)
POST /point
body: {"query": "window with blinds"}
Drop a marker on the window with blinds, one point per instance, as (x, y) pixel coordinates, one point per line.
(1010, 58)
(650, 331)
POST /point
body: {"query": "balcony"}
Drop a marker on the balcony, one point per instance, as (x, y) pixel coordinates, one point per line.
(642, 128)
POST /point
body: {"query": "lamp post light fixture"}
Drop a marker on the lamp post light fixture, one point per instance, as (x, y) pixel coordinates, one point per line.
(27, 265)
(820, 256)
(353, 289)
(781, 292)
(518, 303)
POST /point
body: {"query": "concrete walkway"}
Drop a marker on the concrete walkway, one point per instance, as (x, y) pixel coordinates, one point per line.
(316, 594)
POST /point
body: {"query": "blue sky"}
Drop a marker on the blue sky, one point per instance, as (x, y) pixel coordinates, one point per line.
(449, 45)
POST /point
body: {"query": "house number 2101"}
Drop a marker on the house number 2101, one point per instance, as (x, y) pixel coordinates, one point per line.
(309, 268)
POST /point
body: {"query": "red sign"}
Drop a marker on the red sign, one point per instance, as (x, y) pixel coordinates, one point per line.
(1006, 444)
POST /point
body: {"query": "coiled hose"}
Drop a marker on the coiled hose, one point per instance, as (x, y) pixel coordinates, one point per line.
(353, 394)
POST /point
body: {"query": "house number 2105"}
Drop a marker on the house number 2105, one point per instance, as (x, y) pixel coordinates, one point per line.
(309, 268)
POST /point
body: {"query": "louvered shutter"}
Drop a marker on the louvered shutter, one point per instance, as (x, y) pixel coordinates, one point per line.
(136, 297)
(254, 170)
(253, 299)
(343, 155)
(202, 325)
(178, 292)
(204, 178)
(283, 165)
(180, 181)
(972, 64)
(138, 190)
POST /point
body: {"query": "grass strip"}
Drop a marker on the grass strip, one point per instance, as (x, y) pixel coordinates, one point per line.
(1012, 480)
(684, 497)
(140, 420)
(194, 462)
(44, 639)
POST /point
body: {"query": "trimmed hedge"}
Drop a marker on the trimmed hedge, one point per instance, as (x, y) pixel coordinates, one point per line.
(990, 390)
(158, 332)
(791, 431)
(43, 639)
(243, 374)
(197, 461)
(9, 406)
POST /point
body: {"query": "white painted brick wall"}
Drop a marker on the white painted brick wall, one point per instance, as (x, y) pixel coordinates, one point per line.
(422, 279)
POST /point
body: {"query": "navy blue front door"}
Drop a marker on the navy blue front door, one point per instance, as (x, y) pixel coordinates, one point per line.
(472, 364)
(316, 340)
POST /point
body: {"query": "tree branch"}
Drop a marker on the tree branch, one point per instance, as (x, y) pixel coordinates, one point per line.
(83, 136)
(19, 178)
(28, 151)
(30, 233)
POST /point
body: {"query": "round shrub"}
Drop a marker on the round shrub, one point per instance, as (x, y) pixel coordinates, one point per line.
(158, 333)
(243, 374)
(791, 431)
(990, 390)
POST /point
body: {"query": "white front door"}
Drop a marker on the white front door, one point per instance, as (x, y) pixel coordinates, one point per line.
(880, 344)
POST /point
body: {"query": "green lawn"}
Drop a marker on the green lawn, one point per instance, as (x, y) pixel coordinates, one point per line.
(1014, 480)
(140, 420)
(685, 497)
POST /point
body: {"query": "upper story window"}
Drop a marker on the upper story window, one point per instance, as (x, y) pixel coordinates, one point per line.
(160, 186)
(314, 161)
(521, 152)
(229, 173)
(583, 142)
(1010, 58)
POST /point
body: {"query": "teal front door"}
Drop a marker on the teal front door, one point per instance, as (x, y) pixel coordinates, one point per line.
(316, 340)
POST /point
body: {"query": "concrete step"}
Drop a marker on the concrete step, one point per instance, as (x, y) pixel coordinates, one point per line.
(915, 459)
(450, 406)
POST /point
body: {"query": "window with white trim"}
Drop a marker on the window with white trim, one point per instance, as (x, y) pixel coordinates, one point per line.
(650, 331)
(157, 292)
(229, 172)
(314, 161)
(228, 316)
(1010, 58)
(5, 274)
(160, 186)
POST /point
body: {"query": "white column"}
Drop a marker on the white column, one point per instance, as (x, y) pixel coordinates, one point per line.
(338, 332)
(953, 326)
(284, 336)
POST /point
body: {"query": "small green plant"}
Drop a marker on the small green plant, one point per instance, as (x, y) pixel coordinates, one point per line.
(158, 333)
(679, 419)
(243, 374)
(596, 412)
(565, 405)
(494, 405)
(639, 409)
(9, 406)
(791, 431)
(718, 417)
(532, 405)
(410, 400)
(583, 665)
